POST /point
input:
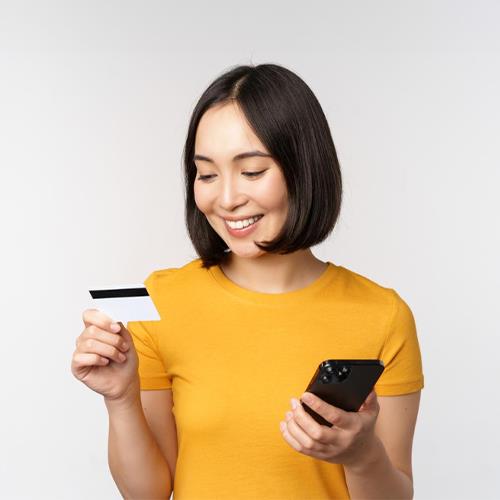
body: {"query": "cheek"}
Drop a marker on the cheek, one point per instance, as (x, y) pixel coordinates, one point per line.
(200, 198)
(274, 193)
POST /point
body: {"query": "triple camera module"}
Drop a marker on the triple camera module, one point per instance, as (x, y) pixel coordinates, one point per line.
(333, 373)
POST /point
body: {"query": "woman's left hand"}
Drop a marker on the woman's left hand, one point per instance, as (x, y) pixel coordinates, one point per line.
(349, 440)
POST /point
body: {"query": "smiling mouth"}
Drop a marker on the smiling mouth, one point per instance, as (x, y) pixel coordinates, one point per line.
(238, 226)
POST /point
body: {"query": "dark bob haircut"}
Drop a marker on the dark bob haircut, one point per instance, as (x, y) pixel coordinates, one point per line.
(287, 118)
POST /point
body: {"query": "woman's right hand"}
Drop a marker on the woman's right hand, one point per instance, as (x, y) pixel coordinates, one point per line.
(97, 360)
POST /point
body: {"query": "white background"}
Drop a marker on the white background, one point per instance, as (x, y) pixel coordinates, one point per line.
(95, 97)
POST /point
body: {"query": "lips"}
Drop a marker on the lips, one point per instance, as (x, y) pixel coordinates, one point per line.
(254, 218)
(243, 217)
(240, 233)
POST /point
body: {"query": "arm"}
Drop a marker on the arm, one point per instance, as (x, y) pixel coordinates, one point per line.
(136, 462)
(158, 406)
(373, 444)
(386, 471)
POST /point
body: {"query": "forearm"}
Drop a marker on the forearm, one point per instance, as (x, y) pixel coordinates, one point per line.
(377, 477)
(136, 463)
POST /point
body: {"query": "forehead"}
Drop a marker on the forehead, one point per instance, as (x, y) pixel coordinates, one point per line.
(223, 131)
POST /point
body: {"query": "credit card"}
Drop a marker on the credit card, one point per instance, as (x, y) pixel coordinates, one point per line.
(125, 303)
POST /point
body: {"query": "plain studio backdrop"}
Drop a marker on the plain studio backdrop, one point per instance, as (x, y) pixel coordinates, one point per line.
(95, 98)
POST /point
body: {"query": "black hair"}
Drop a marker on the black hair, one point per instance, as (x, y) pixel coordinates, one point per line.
(289, 121)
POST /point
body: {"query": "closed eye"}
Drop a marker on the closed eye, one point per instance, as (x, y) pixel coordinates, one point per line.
(248, 174)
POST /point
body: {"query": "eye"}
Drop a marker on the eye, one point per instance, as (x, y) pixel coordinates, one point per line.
(248, 174)
(253, 174)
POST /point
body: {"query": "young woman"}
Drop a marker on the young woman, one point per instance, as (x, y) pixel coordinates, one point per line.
(204, 403)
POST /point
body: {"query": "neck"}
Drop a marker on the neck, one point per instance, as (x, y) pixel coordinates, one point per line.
(273, 273)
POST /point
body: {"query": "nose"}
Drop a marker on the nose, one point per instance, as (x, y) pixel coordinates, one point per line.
(231, 194)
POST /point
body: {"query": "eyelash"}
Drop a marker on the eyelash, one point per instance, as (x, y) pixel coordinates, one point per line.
(249, 174)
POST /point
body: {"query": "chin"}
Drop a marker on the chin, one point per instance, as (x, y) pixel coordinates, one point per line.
(246, 253)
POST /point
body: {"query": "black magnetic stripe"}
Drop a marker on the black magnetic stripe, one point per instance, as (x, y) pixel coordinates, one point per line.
(119, 292)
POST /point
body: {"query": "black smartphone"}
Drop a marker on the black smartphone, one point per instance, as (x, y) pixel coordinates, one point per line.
(343, 383)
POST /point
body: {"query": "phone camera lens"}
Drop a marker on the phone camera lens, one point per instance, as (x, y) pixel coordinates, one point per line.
(343, 373)
(333, 373)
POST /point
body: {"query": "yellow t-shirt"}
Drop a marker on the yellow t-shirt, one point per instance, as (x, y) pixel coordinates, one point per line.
(234, 357)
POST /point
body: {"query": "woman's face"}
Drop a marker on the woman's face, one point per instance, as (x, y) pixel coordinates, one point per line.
(230, 191)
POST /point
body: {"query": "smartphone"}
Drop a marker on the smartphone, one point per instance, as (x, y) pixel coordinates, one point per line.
(343, 383)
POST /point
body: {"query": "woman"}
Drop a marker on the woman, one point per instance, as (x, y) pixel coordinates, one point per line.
(204, 402)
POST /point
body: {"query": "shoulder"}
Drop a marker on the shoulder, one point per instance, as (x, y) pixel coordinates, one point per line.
(360, 288)
(169, 276)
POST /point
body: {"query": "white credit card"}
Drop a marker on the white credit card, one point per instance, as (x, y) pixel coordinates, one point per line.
(125, 303)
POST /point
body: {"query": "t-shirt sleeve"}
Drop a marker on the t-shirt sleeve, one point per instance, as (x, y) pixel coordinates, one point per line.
(152, 372)
(401, 354)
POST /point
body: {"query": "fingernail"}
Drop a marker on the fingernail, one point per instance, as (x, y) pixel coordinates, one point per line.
(115, 327)
(122, 356)
(288, 414)
(306, 398)
(294, 403)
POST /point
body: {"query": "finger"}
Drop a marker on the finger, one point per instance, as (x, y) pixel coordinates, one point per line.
(94, 346)
(319, 433)
(306, 442)
(371, 403)
(288, 438)
(332, 414)
(125, 334)
(104, 336)
(82, 359)
(99, 319)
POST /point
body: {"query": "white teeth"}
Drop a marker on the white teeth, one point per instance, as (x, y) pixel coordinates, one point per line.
(242, 223)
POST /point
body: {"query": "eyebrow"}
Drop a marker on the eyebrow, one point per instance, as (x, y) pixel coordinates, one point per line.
(241, 156)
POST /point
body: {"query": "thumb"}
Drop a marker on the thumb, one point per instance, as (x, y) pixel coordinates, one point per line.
(125, 333)
(370, 404)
